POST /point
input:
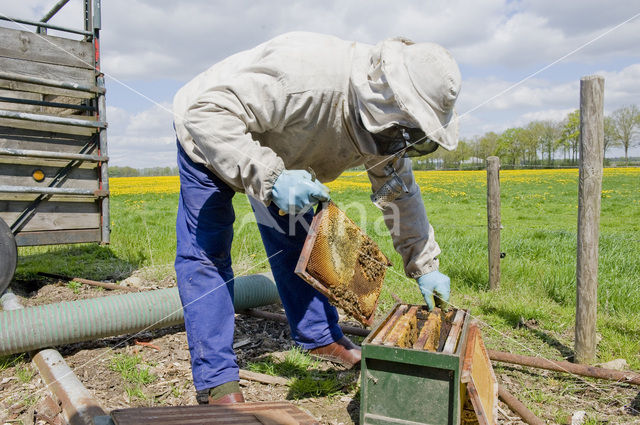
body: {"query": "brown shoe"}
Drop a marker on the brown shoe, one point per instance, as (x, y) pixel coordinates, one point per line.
(226, 393)
(228, 399)
(343, 351)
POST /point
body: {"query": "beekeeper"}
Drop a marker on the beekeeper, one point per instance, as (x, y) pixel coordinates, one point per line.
(255, 123)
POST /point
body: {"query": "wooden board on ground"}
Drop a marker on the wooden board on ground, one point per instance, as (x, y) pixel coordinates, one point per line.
(260, 413)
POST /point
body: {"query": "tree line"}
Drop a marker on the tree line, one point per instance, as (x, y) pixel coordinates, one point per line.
(115, 171)
(539, 143)
(545, 143)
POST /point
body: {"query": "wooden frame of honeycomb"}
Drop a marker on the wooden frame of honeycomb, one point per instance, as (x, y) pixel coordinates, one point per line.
(343, 263)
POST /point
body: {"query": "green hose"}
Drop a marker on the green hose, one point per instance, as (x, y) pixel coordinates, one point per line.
(62, 323)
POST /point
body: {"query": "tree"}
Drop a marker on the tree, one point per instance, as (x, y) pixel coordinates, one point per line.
(488, 144)
(610, 139)
(570, 134)
(548, 133)
(532, 141)
(510, 144)
(626, 125)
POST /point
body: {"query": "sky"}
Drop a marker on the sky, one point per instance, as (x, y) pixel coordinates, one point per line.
(520, 60)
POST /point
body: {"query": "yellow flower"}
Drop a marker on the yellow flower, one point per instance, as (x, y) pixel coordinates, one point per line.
(141, 185)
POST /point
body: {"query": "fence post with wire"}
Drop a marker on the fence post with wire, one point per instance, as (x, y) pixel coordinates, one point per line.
(493, 219)
(589, 193)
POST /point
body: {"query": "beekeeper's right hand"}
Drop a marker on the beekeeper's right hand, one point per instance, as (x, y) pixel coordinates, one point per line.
(435, 288)
(296, 190)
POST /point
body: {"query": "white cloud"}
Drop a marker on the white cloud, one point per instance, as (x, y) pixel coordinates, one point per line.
(141, 140)
(179, 39)
(536, 99)
(497, 43)
(544, 115)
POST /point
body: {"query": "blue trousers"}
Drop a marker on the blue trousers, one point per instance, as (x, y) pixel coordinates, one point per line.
(204, 231)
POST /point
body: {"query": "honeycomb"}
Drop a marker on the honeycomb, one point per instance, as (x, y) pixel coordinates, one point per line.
(418, 328)
(347, 263)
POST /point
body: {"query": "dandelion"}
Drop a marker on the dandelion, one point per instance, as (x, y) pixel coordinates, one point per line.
(142, 185)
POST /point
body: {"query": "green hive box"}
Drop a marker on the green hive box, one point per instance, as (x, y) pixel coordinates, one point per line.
(408, 386)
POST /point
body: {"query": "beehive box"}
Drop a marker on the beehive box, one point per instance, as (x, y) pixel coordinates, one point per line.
(343, 263)
(410, 377)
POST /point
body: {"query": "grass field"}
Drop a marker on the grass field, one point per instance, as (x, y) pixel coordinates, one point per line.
(539, 215)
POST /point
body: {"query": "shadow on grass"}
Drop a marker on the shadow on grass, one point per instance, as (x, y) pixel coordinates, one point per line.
(306, 377)
(516, 320)
(471, 277)
(566, 352)
(88, 261)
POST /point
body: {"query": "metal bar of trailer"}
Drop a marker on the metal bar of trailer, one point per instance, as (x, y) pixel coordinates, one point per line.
(45, 25)
(53, 155)
(45, 103)
(12, 76)
(52, 191)
(54, 10)
(51, 119)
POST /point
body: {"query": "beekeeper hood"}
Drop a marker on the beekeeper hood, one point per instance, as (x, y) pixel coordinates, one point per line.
(398, 82)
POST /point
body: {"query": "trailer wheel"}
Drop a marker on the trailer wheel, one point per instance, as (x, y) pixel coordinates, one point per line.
(8, 255)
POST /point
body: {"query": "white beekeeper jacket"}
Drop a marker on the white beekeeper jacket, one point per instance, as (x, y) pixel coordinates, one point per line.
(306, 100)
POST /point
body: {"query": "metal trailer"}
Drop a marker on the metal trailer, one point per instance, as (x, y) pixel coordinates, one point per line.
(54, 186)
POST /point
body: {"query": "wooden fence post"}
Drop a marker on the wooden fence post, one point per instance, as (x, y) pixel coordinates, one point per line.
(589, 192)
(493, 219)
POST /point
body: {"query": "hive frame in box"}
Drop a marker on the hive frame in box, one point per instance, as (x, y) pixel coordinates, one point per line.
(409, 386)
(303, 261)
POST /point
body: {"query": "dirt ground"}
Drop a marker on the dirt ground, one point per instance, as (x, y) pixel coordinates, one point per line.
(164, 354)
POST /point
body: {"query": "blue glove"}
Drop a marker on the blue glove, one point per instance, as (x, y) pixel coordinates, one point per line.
(435, 283)
(296, 190)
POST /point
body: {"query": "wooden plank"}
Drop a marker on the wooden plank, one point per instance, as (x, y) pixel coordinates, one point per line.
(477, 373)
(28, 197)
(37, 88)
(263, 378)
(43, 109)
(382, 334)
(40, 126)
(239, 414)
(20, 95)
(46, 48)
(69, 74)
(62, 112)
(54, 215)
(19, 138)
(454, 334)
(40, 162)
(57, 237)
(21, 175)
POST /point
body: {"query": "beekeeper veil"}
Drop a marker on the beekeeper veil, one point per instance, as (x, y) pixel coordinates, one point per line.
(398, 84)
